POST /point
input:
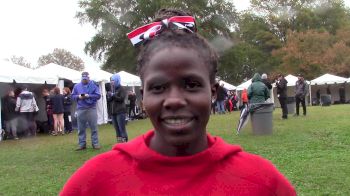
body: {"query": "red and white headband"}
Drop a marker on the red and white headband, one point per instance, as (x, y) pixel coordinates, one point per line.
(151, 30)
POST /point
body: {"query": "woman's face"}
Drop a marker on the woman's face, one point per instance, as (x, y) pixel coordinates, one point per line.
(177, 96)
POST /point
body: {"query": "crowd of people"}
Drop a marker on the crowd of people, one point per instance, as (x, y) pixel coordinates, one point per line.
(19, 109)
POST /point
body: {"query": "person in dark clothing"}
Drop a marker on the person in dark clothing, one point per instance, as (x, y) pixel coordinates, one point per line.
(48, 103)
(67, 104)
(132, 104)
(118, 108)
(318, 96)
(342, 93)
(281, 85)
(57, 111)
(266, 81)
(220, 99)
(300, 93)
(234, 100)
(329, 90)
(257, 91)
(9, 114)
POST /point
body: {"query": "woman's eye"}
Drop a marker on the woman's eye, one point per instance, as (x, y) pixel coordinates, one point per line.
(157, 88)
(191, 85)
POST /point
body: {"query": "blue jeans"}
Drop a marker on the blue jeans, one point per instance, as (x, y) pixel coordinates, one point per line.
(87, 117)
(221, 107)
(118, 121)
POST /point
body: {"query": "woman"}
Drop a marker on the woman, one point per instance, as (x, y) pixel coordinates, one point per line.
(9, 114)
(57, 101)
(67, 110)
(178, 157)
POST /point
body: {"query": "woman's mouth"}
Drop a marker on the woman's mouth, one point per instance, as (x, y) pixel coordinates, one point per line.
(177, 121)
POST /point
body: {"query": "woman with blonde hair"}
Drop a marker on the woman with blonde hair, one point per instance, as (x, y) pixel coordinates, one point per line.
(57, 109)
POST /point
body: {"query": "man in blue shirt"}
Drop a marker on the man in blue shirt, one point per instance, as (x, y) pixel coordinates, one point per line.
(86, 93)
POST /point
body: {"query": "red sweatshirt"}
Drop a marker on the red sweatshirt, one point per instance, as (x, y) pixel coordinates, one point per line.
(135, 169)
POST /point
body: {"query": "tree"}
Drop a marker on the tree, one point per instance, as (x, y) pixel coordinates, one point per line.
(302, 15)
(315, 52)
(252, 50)
(242, 61)
(19, 60)
(62, 57)
(114, 19)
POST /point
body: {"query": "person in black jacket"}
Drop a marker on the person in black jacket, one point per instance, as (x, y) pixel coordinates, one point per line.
(220, 99)
(301, 89)
(67, 104)
(9, 114)
(266, 81)
(281, 85)
(57, 111)
(118, 108)
(132, 104)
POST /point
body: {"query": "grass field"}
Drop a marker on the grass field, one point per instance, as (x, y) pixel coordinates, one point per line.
(313, 152)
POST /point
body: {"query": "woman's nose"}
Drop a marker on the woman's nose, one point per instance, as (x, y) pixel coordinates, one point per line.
(174, 100)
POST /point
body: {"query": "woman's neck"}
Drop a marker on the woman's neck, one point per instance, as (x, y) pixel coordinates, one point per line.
(159, 145)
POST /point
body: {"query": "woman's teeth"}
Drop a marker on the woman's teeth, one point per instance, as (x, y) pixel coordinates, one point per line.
(177, 121)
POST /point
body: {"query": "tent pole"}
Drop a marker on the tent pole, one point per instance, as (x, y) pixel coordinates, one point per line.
(60, 84)
(310, 103)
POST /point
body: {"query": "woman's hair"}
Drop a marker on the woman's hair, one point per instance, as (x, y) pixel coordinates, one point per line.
(56, 90)
(67, 90)
(9, 91)
(177, 38)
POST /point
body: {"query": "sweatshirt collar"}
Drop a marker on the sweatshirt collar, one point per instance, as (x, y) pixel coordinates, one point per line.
(139, 150)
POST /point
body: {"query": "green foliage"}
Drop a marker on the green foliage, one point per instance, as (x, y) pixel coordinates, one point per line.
(259, 40)
(312, 152)
(241, 62)
(115, 18)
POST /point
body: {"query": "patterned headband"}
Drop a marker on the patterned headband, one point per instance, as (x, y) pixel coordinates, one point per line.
(149, 31)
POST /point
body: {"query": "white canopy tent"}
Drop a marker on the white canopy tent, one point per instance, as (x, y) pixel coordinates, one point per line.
(291, 79)
(59, 71)
(332, 82)
(95, 74)
(244, 85)
(128, 79)
(11, 73)
(227, 86)
(328, 79)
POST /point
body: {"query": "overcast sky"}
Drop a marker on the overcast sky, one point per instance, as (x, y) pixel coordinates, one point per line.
(31, 28)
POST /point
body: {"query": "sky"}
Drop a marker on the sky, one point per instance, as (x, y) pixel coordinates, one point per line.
(32, 28)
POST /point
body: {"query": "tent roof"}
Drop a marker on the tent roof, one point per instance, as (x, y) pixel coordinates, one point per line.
(291, 79)
(128, 79)
(59, 71)
(228, 86)
(244, 85)
(328, 79)
(98, 74)
(11, 71)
